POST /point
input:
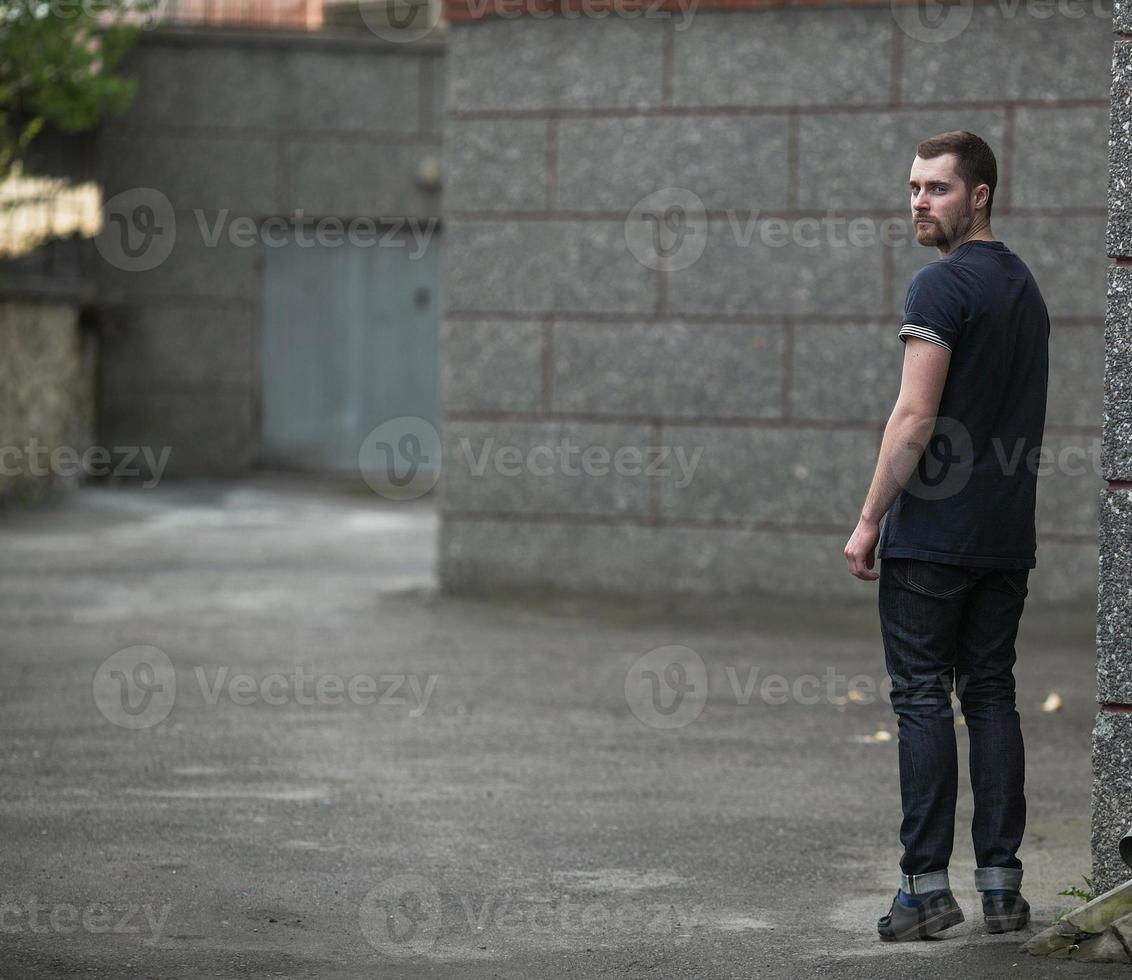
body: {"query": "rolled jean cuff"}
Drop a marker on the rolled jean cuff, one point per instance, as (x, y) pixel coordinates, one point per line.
(918, 884)
(988, 878)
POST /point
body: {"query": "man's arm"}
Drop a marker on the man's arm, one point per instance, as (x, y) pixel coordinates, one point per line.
(905, 437)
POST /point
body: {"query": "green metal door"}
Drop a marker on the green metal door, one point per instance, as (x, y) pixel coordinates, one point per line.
(350, 342)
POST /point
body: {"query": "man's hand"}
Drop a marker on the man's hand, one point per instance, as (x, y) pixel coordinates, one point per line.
(859, 550)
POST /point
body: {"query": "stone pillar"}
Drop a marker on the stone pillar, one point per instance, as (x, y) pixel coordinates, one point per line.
(1112, 736)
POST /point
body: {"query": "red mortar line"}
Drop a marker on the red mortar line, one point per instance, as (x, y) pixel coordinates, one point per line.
(463, 11)
(547, 394)
(551, 164)
(1119, 485)
(787, 214)
(1121, 261)
(896, 68)
(563, 317)
(1007, 171)
(822, 109)
(637, 520)
(687, 524)
(654, 518)
(595, 418)
(483, 416)
(792, 179)
(787, 368)
(667, 64)
(1116, 708)
(269, 133)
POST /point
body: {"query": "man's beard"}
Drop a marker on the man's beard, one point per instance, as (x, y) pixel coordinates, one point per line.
(950, 228)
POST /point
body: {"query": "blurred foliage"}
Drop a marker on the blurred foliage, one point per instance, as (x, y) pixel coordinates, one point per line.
(57, 62)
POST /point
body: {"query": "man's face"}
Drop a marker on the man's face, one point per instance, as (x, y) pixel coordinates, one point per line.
(941, 207)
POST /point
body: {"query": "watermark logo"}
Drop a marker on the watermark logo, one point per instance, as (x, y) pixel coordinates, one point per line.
(937, 21)
(401, 917)
(135, 688)
(667, 230)
(98, 918)
(933, 21)
(139, 230)
(667, 687)
(277, 231)
(947, 462)
(401, 458)
(39, 459)
(568, 458)
(400, 21)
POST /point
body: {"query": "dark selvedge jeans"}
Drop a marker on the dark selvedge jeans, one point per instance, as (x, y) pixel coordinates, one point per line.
(949, 627)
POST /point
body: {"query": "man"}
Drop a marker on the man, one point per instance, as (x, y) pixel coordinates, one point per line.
(955, 483)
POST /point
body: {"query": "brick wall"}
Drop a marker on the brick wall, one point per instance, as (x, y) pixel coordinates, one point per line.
(779, 363)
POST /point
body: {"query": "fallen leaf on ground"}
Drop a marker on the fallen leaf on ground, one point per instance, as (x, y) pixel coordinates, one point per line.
(1053, 702)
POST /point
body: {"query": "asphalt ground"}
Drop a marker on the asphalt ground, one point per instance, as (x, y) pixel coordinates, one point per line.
(243, 735)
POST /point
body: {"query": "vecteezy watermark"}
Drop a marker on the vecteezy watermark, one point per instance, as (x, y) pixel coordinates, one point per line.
(668, 229)
(669, 686)
(401, 458)
(137, 687)
(277, 231)
(831, 230)
(403, 916)
(39, 459)
(948, 461)
(140, 228)
(401, 21)
(559, 459)
(143, 13)
(932, 21)
(97, 918)
(938, 21)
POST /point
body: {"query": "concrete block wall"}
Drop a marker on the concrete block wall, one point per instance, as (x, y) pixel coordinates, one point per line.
(46, 383)
(262, 125)
(778, 364)
(1112, 737)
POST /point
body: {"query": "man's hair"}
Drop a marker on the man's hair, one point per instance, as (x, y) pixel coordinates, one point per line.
(975, 161)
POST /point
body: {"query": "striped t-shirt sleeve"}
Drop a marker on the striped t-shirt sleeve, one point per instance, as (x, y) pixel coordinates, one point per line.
(934, 307)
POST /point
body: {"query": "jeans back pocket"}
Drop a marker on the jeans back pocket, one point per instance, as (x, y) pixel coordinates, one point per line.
(934, 578)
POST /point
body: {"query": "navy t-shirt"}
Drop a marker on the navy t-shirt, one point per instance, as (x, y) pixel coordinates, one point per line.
(972, 497)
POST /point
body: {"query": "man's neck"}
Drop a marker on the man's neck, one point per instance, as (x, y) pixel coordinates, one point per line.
(983, 234)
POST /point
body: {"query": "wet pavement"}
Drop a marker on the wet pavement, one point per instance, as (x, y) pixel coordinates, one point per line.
(244, 735)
